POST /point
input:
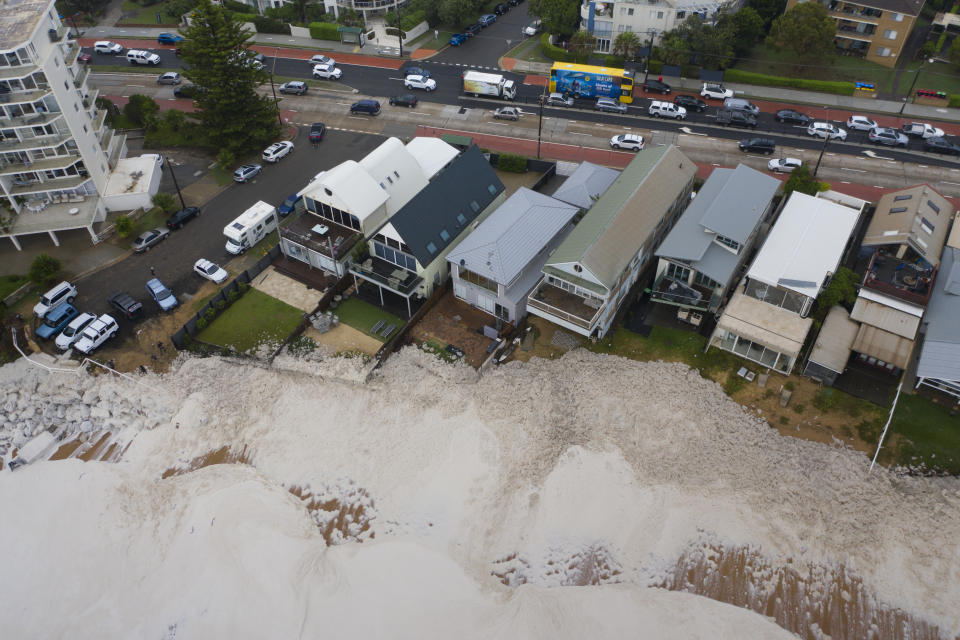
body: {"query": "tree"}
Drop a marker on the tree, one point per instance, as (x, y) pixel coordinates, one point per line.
(842, 290)
(803, 181)
(696, 40)
(44, 269)
(141, 110)
(626, 44)
(164, 201)
(954, 52)
(458, 12)
(769, 10)
(673, 49)
(748, 29)
(807, 30)
(233, 115)
(559, 17)
(582, 44)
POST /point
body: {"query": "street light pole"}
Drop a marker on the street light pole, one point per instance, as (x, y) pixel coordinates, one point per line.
(540, 125)
(646, 66)
(913, 84)
(176, 185)
(826, 138)
(276, 103)
(399, 29)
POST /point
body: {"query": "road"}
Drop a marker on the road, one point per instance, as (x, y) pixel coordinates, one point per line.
(486, 48)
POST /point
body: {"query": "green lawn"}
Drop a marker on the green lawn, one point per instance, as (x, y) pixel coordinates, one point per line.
(764, 59)
(150, 220)
(10, 283)
(939, 76)
(529, 50)
(253, 319)
(427, 41)
(135, 13)
(363, 316)
(928, 434)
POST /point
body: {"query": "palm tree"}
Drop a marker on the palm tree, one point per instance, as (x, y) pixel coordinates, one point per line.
(626, 44)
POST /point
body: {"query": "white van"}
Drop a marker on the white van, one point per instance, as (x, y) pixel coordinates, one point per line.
(136, 56)
(742, 105)
(60, 293)
(250, 227)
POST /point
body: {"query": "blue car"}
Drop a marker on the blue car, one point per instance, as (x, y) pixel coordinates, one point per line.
(288, 205)
(169, 38)
(487, 19)
(161, 295)
(458, 39)
(55, 321)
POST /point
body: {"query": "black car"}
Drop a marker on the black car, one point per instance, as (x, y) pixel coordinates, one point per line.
(690, 103)
(656, 86)
(733, 118)
(186, 91)
(501, 8)
(370, 107)
(317, 129)
(941, 145)
(416, 71)
(180, 218)
(126, 305)
(514, 3)
(758, 145)
(404, 100)
(473, 29)
(789, 116)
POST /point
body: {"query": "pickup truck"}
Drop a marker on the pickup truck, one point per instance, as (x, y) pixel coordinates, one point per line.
(660, 109)
(921, 130)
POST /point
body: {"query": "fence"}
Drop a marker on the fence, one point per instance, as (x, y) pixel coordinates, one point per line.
(16, 295)
(393, 343)
(549, 169)
(342, 285)
(110, 229)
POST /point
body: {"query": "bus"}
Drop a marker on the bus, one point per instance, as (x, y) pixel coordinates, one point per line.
(588, 81)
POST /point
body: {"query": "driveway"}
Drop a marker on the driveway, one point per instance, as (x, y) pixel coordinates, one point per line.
(486, 48)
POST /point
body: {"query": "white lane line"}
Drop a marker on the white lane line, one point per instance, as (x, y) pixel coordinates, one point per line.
(857, 170)
(844, 182)
(956, 184)
(877, 186)
(574, 133)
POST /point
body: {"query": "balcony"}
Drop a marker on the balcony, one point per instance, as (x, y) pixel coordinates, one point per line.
(18, 71)
(66, 183)
(32, 120)
(909, 279)
(20, 97)
(335, 243)
(564, 305)
(90, 99)
(81, 76)
(105, 139)
(113, 154)
(99, 119)
(71, 51)
(387, 274)
(670, 291)
(35, 142)
(57, 162)
(367, 4)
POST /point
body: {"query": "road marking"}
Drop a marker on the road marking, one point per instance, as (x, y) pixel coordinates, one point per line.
(956, 184)
(757, 157)
(421, 113)
(876, 186)
(394, 78)
(873, 154)
(715, 164)
(831, 154)
(574, 133)
(857, 170)
(690, 132)
(844, 182)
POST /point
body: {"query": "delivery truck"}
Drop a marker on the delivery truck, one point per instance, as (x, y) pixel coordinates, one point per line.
(250, 227)
(489, 84)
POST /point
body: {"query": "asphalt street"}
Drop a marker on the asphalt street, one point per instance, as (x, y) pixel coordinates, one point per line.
(486, 47)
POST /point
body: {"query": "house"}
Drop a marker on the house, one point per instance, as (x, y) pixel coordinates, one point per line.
(497, 265)
(939, 363)
(702, 254)
(343, 206)
(406, 255)
(589, 275)
(873, 29)
(585, 185)
(831, 351)
(647, 18)
(903, 244)
(766, 320)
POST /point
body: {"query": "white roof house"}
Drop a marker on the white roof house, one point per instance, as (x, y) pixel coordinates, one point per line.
(347, 187)
(432, 154)
(396, 171)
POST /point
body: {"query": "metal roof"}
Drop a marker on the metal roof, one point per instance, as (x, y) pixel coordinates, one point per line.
(883, 316)
(505, 243)
(883, 345)
(19, 19)
(832, 348)
(347, 187)
(432, 154)
(621, 221)
(940, 356)
(397, 172)
(585, 185)
(437, 215)
(771, 326)
(899, 215)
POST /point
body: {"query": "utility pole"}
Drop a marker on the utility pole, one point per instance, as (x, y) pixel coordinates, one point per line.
(276, 102)
(646, 69)
(399, 30)
(826, 139)
(913, 84)
(176, 185)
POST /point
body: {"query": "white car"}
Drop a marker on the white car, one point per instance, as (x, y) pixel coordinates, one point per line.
(532, 29)
(277, 150)
(322, 59)
(659, 109)
(715, 91)
(784, 165)
(210, 270)
(826, 130)
(419, 82)
(96, 333)
(327, 72)
(108, 47)
(73, 330)
(629, 141)
(861, 123)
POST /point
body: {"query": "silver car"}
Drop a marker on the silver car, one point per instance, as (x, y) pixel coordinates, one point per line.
(559, 100)
(150, 238)
(610, 105)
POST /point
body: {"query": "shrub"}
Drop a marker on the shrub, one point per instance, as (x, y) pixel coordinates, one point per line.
(552, 51)
(245, 17)
(271, 25)
(656, 67)
(209, 314)
(324, 31)
(940, 42)
(201, 325)
(123, 226)
(512, 163)
(232, 295)
(615, 62)
(243, 287)
(226, 159)
(164, 201)
(44, 269)
(954, 101)
(221, 305)
(823, 86)
(141, 110)
(690, 71)
(187, 340)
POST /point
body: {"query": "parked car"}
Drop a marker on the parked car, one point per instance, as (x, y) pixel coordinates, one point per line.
(628, 141)
(789, 116)
(288, 205)
(860, 123)
(715, 91)
(370, 107)
(757, 145)
(210, 271)
(826, 130)
(137, 56)
(690, 103)
(161, 295)
(317, 129)
(559, 100)
(277, 150)
(63, 292)
(96, 333)
(126, 305)
(148, 239)
(169, 38)
(733, 118)
(107, 47)
(71, 333)
(501, 8)
(922, 130)
(458, 39)
(186, 91)
(182, 217)
(609, 105)
(656, 86)
(327, 72)
(296, 87)
(84, 57)
(322, 59)
(783, 165)
(941, 145)
(170, 77)
(888, 136)
(660, 109)
(506, 113)
(416, 71)
(246, 172)
(404, 100)
(55, 320)
(532, 29)
(473, 29)
(743, 105)
(487, 19)
(419, 82)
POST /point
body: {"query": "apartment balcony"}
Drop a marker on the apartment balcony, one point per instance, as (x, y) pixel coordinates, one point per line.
(99, 119)
(35, 142)
(19, 71)
(105, 139)
(81, 76)
(569, 307)
(71, 51)
(32, 120)
(113, 153)
(367, 5)
(680, 294)
(90, 99)
(387, 274)
(56, 35)
(907, 280)
(21, 97)
(66, 183)
(46, 164)
(336, 242)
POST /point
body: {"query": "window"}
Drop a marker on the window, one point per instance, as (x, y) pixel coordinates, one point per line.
(461, 219)
(629, 12)
(432, 248)
(896, 17)
(728, 243)
(475, 206)
(704, 281)
(619, 28)
(389, 179)
(883, 52)
(933, 206)
(659, 15)
(926, 225)
(898, 210)
(492, 189)
(396, 174)
(603, 45)
(444, 235)
(890, 34)
(681, 15)
(477, 279)
(678, 273)
(901, 198)
(76, 107)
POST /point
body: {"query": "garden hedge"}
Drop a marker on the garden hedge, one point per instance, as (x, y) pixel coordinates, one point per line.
(656, 67)
(823, 86)
(271, 25)
(552, 51)
(954, 101)
(324, 31)
(512, 163)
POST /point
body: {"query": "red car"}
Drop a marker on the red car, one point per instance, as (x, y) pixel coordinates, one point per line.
(84, 57)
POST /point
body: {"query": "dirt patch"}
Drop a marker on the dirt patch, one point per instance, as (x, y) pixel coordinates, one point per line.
(343, 519)
(451, 321)
(223, 455)
(344, 339)
(542, 343)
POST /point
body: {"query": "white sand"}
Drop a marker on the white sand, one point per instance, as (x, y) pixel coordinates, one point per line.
(586, 470)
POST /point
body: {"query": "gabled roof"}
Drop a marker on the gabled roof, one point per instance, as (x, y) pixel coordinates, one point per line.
(805, 244)
(432, 154)
(940, 356)
(585, 185)
(443, 209)
(621, 221)
(347, 187)
(505, 243)
(397, 172)
(898, 219)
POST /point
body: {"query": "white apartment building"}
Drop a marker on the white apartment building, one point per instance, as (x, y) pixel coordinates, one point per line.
(56, 153)
(649, 19)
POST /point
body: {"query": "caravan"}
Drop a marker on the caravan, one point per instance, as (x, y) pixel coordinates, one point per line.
(252, 226)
